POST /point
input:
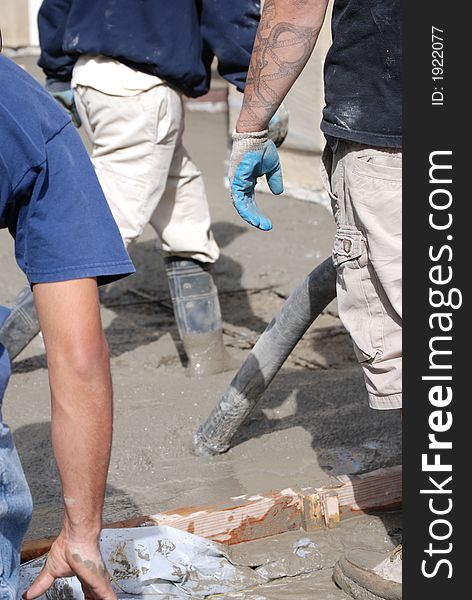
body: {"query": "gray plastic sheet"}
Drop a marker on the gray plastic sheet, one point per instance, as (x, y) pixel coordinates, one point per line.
(159, 562)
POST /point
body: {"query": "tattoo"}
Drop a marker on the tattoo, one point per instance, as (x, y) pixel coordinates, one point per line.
(280, 52)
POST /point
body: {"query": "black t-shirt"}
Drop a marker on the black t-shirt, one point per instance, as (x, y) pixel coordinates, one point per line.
(363, 73)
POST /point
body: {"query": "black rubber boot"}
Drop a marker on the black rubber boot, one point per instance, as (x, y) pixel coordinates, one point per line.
(21, 325)
(197, 312)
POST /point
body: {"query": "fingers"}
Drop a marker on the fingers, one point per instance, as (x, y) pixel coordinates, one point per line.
(254, 164)
(75, 116)
(99, 589)
(246, 174)
(79, 559)
(40, 585)
(242, 191)
(94, 582)
(275, 181)
(248, 210)
(272, 169)
(93, 576)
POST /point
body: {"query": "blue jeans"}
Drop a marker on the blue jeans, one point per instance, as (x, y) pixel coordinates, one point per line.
(16, 505)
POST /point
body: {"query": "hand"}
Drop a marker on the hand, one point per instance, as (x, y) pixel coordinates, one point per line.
(278, 126)
(66, 559)
(66, 99)
(252, 156)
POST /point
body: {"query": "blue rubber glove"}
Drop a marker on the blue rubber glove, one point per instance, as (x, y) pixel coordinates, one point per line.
(66, 99)
(253, 155)
(62, 92)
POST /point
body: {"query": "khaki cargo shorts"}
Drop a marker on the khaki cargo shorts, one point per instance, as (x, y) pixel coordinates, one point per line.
(365, 187)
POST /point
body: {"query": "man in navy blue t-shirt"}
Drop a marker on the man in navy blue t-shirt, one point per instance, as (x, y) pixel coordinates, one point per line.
(65, 242)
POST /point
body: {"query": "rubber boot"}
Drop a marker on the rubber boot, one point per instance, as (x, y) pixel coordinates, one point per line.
(198, 315)
(21, 325)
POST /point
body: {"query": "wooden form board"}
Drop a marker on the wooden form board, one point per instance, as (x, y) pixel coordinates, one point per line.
(248, 518)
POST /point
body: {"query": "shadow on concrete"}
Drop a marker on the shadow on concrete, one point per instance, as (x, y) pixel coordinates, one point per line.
(347, 436)
(33, 443)
(141, 305)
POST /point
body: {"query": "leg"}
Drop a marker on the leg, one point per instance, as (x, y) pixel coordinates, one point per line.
(198, 315)
(15, 500)
(182, 217)
(182, 222)
(133, 144)
(147, 177)
(365, 186)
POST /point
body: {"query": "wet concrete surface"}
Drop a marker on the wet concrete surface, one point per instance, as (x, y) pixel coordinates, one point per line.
(312, 423)
(300, 565)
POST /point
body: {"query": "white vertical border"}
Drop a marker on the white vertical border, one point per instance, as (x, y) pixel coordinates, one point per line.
(33, 8)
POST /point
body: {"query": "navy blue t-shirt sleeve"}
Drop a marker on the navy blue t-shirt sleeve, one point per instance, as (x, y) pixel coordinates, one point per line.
(63, 226)
(228, 31)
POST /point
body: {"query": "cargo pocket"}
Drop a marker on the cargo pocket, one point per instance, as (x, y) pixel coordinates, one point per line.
(359, 306)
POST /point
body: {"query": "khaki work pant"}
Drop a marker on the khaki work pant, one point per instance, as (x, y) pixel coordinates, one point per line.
(145, 172)
(365, 186)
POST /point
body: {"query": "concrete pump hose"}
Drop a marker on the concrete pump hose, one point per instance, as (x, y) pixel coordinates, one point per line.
(280, 337)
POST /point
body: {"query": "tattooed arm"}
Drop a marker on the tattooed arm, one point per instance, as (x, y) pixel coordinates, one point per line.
(284, 42)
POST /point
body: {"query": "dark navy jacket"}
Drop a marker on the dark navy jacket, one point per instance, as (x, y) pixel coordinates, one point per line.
(173, 39)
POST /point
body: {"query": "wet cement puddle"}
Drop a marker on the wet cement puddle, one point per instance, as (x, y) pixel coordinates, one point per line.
(299, 564)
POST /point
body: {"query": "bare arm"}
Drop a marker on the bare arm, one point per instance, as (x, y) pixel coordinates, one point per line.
(81, 424)
(284, 42)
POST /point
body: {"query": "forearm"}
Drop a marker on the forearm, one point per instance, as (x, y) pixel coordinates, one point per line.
(284, 42)
(81, 395)
(81, 429)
